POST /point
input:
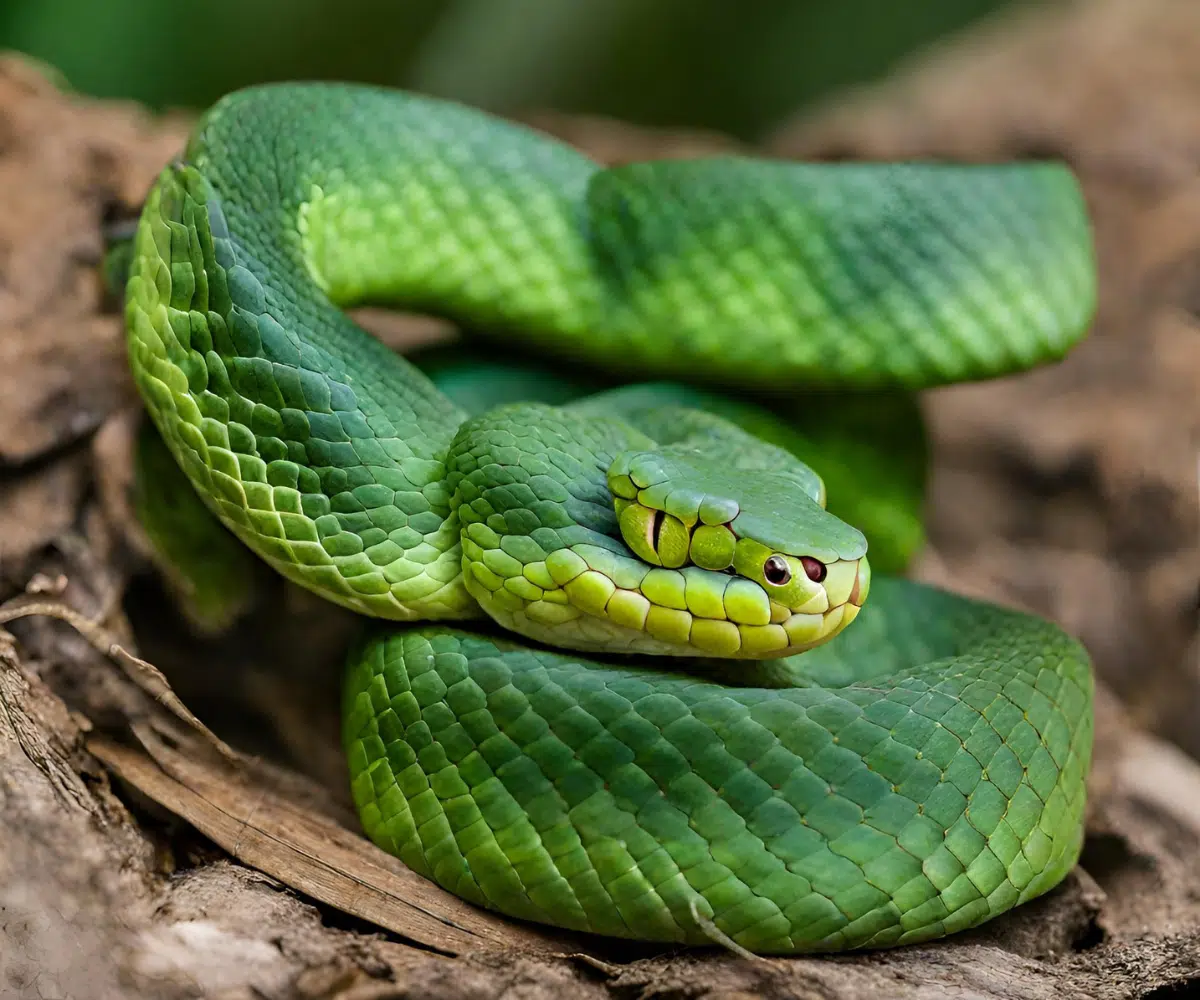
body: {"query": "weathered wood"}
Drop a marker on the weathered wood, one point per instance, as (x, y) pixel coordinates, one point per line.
(313, 854)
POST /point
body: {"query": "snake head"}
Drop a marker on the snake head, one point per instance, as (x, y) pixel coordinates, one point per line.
(763, 568)
(718, 545)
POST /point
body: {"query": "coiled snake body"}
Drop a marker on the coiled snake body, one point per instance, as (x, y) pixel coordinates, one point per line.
(714, 765)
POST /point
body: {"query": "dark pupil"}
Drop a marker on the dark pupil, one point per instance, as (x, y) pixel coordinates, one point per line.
(776, 571)
(814, 568)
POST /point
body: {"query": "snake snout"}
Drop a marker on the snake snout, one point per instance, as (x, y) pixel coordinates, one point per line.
(849, 593)
(838, 598)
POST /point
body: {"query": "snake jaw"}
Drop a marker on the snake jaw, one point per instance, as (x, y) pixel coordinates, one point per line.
(839, 581)
(844, 591)
(590, 598)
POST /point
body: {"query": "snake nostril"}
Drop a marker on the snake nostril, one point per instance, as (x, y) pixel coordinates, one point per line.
(814, 568)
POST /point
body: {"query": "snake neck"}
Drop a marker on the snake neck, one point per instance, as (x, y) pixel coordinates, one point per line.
(319, 448)
(283, 413)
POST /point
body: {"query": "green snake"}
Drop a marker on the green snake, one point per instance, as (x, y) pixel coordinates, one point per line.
(617, 707)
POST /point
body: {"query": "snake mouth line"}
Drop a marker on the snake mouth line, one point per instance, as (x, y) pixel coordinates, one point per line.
(592, 600)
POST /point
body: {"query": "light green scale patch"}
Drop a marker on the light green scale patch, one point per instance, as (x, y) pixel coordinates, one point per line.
(165, 315)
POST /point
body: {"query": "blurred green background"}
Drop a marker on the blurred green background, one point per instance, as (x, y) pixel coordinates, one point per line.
(735, 67)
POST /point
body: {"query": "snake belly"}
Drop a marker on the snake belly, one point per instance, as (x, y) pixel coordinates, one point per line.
(911, 776)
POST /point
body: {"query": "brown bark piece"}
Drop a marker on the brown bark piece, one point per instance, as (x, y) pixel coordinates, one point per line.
(311, 853)
(34, 510)
(62, 165)
(71, 860)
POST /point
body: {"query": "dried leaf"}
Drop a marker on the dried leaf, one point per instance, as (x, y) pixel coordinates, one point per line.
(314, 855)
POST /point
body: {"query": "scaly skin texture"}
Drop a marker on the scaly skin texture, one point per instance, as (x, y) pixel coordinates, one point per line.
(921, 772)
(943, 788)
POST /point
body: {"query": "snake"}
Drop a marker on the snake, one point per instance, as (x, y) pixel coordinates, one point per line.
(626, 672)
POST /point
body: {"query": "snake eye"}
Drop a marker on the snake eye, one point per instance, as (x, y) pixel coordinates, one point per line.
(777, 571)
(814, 568)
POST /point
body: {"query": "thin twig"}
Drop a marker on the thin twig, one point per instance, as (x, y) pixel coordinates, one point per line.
(718, 936)
(144, 674)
